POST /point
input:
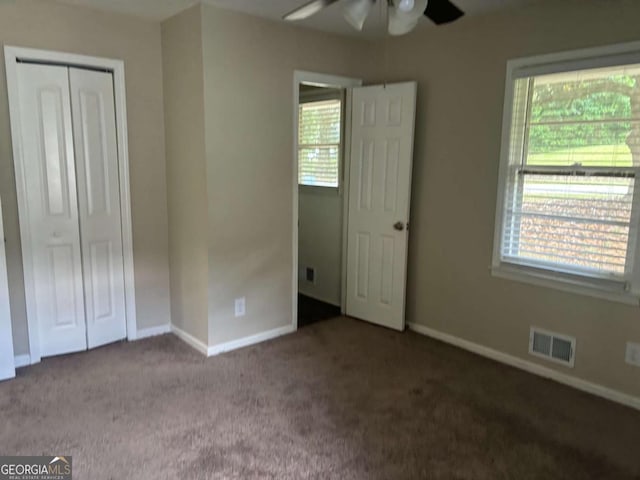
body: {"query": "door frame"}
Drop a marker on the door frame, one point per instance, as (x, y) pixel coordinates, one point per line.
(12, 54)
(7, 370)
(331, 81)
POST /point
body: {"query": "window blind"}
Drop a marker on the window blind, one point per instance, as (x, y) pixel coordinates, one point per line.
(319, 143)
(574, 162)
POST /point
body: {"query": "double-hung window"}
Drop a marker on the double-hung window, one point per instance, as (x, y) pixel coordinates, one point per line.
(320, 142)
(568, 203)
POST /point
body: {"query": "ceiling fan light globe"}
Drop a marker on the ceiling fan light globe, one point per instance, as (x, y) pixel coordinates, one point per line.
(397, 28)
(406, 5)
(401, 21)
(409, 8)
(356, 12)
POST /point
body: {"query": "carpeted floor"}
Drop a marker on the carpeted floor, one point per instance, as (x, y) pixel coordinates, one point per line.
(338, 399)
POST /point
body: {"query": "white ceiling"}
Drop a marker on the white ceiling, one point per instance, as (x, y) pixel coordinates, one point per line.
(329, 20)
(149, 9)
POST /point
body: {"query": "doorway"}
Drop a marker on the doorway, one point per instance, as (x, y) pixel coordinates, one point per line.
(367, 173)
(68, 122)
(321, 113)
(320, 201)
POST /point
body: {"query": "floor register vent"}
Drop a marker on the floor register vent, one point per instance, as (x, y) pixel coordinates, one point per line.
(552, 346)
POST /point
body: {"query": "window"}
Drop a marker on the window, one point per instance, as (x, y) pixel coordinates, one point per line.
(568, 208)
(319, 143)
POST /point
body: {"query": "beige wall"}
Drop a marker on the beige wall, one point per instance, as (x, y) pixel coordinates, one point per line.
(461, 69)
(320, 243)
(249, 65)
(186, 171)
(46, 25)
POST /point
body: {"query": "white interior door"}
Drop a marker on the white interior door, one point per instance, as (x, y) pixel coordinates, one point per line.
(7, 361)
(49, 217)
(382, 133)
(96, 148)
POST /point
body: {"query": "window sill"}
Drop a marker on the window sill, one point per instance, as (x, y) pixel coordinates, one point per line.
(316, 190)
(592, 287)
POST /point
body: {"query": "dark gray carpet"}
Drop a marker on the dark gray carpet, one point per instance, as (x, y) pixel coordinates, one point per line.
(339, 399)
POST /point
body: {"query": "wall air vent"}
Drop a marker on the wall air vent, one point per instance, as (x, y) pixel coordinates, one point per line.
(552, 346)
(310, 275)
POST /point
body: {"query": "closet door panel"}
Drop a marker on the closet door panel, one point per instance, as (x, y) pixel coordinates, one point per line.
(49, 210)
(94, 125)
(7, 361)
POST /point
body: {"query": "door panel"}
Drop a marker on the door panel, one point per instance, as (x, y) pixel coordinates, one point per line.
(380, 191)
(101, 280)
(51, 212)
(52, 127)
(362, 255)
(390, 181)
(365, 174)
(386, 275)
(63, 296)
(7, 361)
(94, 125)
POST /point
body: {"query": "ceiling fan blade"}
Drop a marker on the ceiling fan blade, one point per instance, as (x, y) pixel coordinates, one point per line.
(308, 9)
(357, 11)
(442, 11)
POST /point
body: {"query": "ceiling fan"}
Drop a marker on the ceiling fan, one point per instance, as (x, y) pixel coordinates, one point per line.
(403, 14)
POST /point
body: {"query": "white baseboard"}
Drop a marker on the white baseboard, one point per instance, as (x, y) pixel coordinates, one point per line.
(25, 360)
(232, 345)
(190, 340)
(153, 331)
(22, 360)
(251, 340)
(575, 382)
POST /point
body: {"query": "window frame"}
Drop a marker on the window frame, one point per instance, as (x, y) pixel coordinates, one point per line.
(311, 97)
(621, 291)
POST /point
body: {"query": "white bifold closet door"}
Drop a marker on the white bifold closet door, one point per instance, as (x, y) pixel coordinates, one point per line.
(73, 256)
(96, 148)
(7, 361)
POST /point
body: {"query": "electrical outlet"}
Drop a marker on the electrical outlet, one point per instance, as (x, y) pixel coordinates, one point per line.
(241, 307)
(633, 354)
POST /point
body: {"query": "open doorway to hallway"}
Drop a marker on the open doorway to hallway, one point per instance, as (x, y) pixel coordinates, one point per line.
(353, 154)
(321, 115)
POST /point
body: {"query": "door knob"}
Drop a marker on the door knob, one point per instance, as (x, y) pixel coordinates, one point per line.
(399, 226)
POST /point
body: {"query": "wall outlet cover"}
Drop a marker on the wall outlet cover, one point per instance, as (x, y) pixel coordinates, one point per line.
(240, 307)
(633, 354)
